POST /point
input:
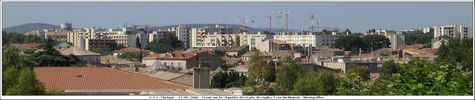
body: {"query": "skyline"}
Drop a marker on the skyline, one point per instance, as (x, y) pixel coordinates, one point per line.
(358, 17)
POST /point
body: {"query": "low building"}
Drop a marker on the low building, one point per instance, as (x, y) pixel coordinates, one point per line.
(237, 51)
(26, 46)
(99, 81)
(277, 48)
(57, 36)
(83, 55)
(246, 58)
(182, 60)
(132, 50)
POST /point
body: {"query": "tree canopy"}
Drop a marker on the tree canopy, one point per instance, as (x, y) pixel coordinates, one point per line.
(316, 83)
(166, 44)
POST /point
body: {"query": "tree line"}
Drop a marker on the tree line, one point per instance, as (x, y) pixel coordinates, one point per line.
(449, 75)
(367, 43)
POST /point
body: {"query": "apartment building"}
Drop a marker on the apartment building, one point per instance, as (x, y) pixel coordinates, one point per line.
(455, 31)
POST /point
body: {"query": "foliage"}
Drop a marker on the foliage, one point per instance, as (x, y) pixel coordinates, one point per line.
(27, 84)
(457, 52)
(420, 77)
(130, 56)
(261, 74)
(51, 57)
(357, 70)
(17, 75)
(107, 50)
(166, 44)
(376, 41)
(227, 80)
(315, 83)
(366, 43)
(289, 72)
(355, 82)
(219, 53)
(388, 69)
(419, 38)
(350, 43)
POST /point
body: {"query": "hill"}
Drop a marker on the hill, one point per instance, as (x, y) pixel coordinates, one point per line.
(29, 27)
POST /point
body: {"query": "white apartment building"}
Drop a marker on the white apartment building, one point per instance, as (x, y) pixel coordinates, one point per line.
(306, 40)
(223, 37)
(126, 37)
(455, 31)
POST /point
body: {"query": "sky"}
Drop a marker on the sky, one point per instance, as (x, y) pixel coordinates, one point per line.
(358, 17)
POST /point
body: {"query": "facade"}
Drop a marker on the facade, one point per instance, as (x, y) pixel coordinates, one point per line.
(397, 40)
(305, 40)
(98, 43)
(455, 31)
(237, 51)
(57, 36)
(214, 37)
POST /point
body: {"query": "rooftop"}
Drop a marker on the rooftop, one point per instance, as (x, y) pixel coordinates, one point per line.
(77, 51)
(87, 78)
(130, 49)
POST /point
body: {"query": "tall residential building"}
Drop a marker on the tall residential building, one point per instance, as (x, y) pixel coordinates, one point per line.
(455, 31)
(397, 40)
(309, 40)
(220, 36)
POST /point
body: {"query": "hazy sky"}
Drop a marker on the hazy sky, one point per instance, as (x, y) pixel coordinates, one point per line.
(357, 17)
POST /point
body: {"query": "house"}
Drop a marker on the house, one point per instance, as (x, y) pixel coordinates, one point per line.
(183, 60)
(99, 80)
(83, 55)
(278, 48)
(237, 51)
(132, 50)
(26, 46)
(246, 58)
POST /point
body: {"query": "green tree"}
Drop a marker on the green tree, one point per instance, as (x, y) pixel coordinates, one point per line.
(420, 77)
(355, 82)
(219, 53)
(166, 44)
(316, 83)
(219, 80)
(130, 56)
(350, 43)
(261, 74)
(388, 69)
(32, 39)
(457, 52)
(27, 84)
(287, 75)
(419, 38)
(376, 42)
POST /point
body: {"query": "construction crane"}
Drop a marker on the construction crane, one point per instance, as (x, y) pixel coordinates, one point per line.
(286, 12)
(314, 23)
(245, 21)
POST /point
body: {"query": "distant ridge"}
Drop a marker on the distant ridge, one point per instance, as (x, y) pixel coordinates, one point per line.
(29, 27)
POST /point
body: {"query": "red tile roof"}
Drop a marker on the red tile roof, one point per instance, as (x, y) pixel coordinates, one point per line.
(131, 49)
(66, 78)
(29, 46)
(180, 55)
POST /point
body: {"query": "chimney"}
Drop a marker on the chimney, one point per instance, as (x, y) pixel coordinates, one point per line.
(201, 76)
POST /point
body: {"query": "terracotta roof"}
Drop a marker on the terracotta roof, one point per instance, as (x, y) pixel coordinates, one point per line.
(26, 46)
(180, 55)
(251, 53)
(67, 78)
(236, 49)
(151, 57)
(130, 49)
(77, 51)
